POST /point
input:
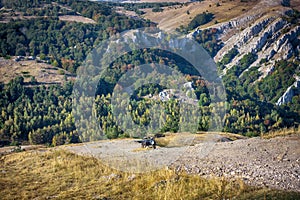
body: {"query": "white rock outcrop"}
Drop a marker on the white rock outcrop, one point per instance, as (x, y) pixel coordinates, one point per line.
(271, 37)
(289, 93)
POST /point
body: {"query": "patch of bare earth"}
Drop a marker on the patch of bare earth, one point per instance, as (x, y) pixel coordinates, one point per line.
(11, 149)
(7, 17)
(273, 163)
(155, 1)
(295, 4)
(123, 11)
(75, 18)
(42, 72)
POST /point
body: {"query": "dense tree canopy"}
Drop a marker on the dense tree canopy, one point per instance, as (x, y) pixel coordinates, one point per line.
(65, 44)
(44, 115)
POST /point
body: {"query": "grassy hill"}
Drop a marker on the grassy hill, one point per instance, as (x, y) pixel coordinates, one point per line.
(45, 29)
(36, 102)
(180, 15)
(57, 174)
(33, 72)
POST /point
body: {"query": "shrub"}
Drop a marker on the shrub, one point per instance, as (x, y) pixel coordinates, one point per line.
(200, 19)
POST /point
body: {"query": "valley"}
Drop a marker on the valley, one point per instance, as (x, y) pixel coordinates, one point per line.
(75, 100)
(251, 48)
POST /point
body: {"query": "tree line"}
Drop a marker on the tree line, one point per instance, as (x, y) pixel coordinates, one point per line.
(39, 115)
(65, 44)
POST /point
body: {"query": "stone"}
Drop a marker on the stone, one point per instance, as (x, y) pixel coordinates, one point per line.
(289, 93)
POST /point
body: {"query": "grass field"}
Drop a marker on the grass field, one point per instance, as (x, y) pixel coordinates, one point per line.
(174, 16)
(282, 132)
(186, 139)
(57, 174)
(42, 72)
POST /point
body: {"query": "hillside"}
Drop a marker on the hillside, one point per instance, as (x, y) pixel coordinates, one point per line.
(32, 70)
(257, 54)
(78, 92)
(42, 44)
(211, 155)
(256, 43)
(253, 43)
(175, 16)
(230, 170)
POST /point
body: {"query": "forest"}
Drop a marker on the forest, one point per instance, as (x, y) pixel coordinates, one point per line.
(39, 115)
(65, 44)
(43, 114)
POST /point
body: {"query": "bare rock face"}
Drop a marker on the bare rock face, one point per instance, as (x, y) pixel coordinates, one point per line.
(241, 40)
(263, 31)
(290, 36)
(270, 32)
(289, 93)
(260, 40)
(286, 50)
(286, 97)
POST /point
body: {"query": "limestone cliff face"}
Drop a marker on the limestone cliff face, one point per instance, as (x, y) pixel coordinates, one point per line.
(265, 31)
(270, 38)
(289, 93)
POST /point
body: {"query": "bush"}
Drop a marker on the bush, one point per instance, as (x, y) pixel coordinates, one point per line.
(59, 139)
(157, 9)
(200, 19)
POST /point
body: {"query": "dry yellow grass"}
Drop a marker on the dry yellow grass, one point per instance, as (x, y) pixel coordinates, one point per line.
(75, 18)
(172, 17)
(175, 139)
(44, 73)
(282, 132)
(57, 174)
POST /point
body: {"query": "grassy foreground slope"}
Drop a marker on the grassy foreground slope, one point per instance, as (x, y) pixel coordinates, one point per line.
(57, 174)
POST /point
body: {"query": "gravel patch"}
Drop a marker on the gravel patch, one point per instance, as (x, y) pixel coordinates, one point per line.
(261, 162)
(272, 162)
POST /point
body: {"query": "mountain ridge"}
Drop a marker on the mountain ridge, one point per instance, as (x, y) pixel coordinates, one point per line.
(267, 31)
(257, 56)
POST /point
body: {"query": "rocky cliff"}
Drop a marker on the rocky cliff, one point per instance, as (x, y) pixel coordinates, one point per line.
(270, 31)
(290, 92)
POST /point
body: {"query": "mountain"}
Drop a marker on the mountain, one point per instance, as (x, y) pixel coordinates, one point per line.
(256, 47)
(267, 37)
(255, 44)
(269, 31)
(261, 31)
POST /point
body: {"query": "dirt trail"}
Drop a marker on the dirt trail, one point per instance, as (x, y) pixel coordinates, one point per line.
(262, 162)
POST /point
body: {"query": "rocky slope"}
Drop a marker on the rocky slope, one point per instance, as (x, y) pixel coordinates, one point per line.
(288, 95)
(270, 31)
(254, 160)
